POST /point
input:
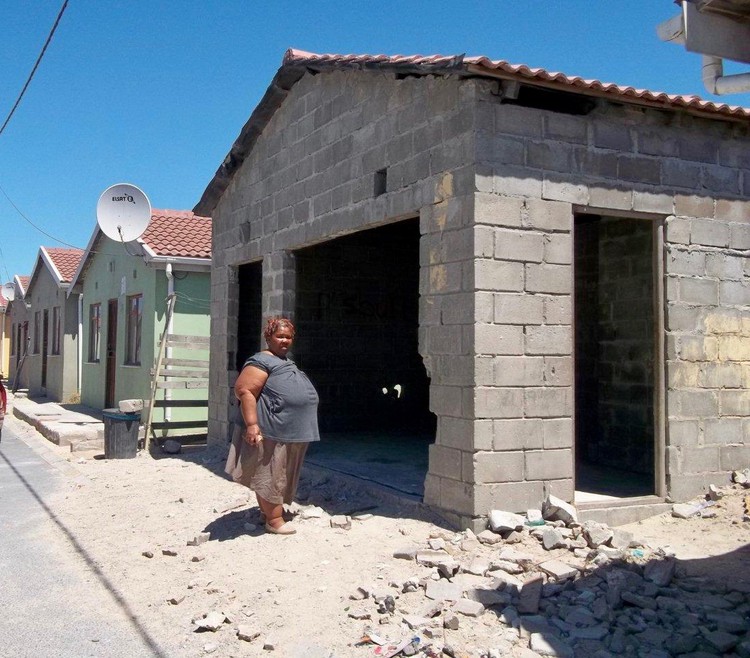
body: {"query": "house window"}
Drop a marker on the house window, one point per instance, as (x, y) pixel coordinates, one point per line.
(37, 327)
(13, 339)
(56, 330)
(135, 320)
(95, 323)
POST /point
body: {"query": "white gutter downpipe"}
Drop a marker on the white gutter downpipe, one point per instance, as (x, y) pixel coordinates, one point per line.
(169, 327)
(717, 83)
(79, 377)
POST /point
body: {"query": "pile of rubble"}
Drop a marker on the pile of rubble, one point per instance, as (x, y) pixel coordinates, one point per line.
(553, 587)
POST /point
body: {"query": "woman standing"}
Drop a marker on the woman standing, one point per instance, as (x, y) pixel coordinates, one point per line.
(279, 406)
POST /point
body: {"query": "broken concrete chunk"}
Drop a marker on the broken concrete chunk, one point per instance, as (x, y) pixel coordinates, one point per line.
(130, 406)
(341, 521)
(714, 493)
(405, 553)
(311, 512)
(478, 566)
(556, 509)
(448, 568)
(450, 621)
(468, 607)
(596, 534)
(436, 544)
(247, 633)
(210, 622)
(441, 590)
(360, 614)
(415, 622)
(503, 522)
(741, 477)
(430, 558)
(552, 538)
(489, 538)
(169, 552)
(621, 539)
(176, 600)
(531, 592)
(507, 566)
(558, 570)
(660, 572)
(544, 646)
(202, 538)
(534, 517)
(685, 510)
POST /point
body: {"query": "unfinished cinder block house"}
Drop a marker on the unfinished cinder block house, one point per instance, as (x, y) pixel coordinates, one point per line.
(540, 280)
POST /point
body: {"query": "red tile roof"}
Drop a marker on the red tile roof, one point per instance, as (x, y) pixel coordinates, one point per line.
(65, 260)
(3, 301)
(298, 62)
(178, 233)
(25, 281)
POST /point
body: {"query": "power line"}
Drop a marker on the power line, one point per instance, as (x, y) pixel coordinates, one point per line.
(36, 65)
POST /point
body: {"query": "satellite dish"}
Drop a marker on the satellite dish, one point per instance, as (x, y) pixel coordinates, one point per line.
(123, 212)
(8, 291)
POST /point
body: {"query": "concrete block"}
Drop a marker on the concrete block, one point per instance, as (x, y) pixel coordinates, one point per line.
(548, 402)
(558, 433)
(681, 174)
(464, 434)
(518, 434)
(699, 291)
(484, 242)
(700, 460)
(709, 232)
(497, 210)
(498, 402)
(548, 215)
(554, 279)
(565, 127)
(484, 307)
(445, 462)
(518, 371)
(698, 348)
(444, 339)
(733, 348)
(457, 497)
(694, 404)
(736, 293)
(695, 146)
(657, 142)
(558, 371)
(734, 403)
(639, 169)
(511, 308)
(610, 197)
(721, 180)
(548, 464)
(684, 262)
(509, 496)
(446, 400)
(692, 205)
(596, 164)
(723, 431)
(457, 309)
(720, 375)
(498, 339)
(498, 275)
(550, 156)
(517, 120)
(549, 340)
(731, 210)
(613, 136)
(558, 249)
(491, 467)
(734, 457)
(444, 278)
(653, 202)
(724, 266)
(511, 180)
(519, 245)
(500, 148)
(681, 488)
(558, 309)
(557, 188)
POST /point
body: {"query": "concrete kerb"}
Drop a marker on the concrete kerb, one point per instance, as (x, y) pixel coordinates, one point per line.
(79, 427)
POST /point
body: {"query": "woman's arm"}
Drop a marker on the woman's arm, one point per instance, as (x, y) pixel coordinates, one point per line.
(247, 388)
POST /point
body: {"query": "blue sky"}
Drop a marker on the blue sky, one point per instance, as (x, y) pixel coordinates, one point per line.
(154, 93)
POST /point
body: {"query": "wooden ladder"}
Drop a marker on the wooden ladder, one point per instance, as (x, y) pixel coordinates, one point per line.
(178, 374)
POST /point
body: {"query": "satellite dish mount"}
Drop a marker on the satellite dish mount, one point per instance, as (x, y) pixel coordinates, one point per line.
(123, 212)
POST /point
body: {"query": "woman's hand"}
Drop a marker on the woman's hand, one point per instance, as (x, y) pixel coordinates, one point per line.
(253, 435)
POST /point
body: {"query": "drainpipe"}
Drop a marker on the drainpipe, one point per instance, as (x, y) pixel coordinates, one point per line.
(717, 83)
(80, 343)
(168, 353)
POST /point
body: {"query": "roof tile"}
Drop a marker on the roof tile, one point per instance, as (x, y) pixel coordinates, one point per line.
(178, 233)
(65, 260)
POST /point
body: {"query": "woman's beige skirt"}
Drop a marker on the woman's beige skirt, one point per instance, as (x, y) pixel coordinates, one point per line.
(270, 468)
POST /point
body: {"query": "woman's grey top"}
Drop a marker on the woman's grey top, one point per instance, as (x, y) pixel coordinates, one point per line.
(288, 403)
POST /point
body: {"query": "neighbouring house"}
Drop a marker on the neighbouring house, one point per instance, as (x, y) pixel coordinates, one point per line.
(17, 310)
(125, 289)
(52, 361)
(546, 276)
(5, 334)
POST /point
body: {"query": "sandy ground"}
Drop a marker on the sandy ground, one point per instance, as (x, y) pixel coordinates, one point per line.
(294, 591)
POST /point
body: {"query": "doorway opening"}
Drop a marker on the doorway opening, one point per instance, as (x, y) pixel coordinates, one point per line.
(45, 347)
(111, 364)
(250, 313)
(617, 432)
(357, 314)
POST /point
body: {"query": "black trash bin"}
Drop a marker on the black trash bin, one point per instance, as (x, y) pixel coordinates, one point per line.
(120, 434)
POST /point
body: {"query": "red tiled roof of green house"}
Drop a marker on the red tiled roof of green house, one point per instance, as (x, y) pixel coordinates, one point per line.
(65, 260)
(179, 233)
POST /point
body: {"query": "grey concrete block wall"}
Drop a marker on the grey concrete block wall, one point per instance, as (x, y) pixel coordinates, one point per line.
(496, 187)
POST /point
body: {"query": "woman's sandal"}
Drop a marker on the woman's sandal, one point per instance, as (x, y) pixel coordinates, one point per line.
(283, 529)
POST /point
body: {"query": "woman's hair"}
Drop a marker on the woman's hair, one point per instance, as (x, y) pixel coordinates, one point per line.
(275, 323)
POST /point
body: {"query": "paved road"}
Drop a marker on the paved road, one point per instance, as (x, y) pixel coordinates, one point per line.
(54, 602)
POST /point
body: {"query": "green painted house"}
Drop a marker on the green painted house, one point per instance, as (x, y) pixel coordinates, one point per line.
(125, 289)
